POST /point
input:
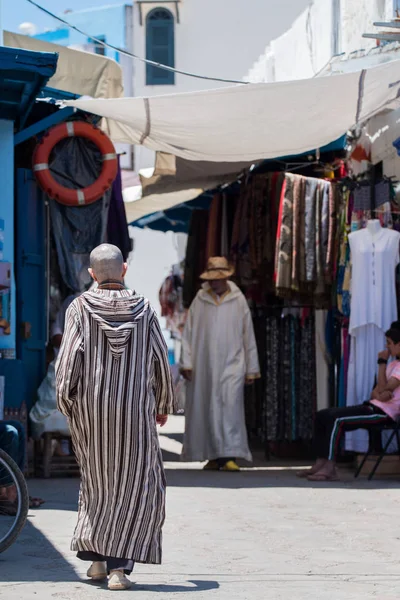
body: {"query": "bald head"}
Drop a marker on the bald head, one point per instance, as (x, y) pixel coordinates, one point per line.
(107, 263)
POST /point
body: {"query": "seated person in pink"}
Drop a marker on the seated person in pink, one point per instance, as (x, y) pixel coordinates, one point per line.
(383, 407)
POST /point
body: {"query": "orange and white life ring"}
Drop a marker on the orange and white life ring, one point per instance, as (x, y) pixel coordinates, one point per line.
(75, 197)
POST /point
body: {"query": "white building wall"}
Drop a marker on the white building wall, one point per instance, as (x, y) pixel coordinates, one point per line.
(218, 38)
(357, 18)
(306, 48)
(325, 28)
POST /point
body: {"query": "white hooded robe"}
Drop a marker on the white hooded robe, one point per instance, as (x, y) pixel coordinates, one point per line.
(219, 347)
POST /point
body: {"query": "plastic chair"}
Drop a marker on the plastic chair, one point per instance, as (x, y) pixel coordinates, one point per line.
(395, 429)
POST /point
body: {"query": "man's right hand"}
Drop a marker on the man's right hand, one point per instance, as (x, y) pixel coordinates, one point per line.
(187, 374)
(384, 355)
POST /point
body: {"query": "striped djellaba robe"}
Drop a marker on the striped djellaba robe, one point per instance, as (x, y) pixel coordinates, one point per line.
(113, 377)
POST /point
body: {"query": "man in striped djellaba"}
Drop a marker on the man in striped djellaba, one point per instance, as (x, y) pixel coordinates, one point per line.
(114, 384)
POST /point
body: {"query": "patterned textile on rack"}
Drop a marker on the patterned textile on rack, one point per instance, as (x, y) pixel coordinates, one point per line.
(259, 207)
(306, 240)
(362, 198)
(310, 220)
(382, 193)
(290, 380)
(224, 227)
(272, 215)
(240, 246)
(195, 261)
(383, 196)
(362, 207)
(272, 371)
(343, 276)
(307, 401)
(330, 265)
(325, 222)
(284, 246)
(213, 246)
(298, 252)
(254, 394)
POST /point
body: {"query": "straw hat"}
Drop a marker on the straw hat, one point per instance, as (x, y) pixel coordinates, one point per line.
(217, 268)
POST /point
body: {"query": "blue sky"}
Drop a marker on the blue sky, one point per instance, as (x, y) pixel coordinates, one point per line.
(16, 12)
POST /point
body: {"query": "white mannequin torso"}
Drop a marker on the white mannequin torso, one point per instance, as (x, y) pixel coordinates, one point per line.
(374, 226)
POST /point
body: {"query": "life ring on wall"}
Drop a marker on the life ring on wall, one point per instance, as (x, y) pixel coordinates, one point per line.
(64, 195)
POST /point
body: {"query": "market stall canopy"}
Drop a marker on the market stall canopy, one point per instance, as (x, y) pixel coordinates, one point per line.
(176, 181)
(170, 211)
(250, 122)
(81, 73)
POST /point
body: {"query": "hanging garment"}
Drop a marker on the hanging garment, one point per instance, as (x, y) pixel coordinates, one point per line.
(363, 197)
(310, 223)
(113, 377)
(77, 230)
(219, 347)
(224, 228)
(344, 366)
(259, 206)
(117, 228)
(382, 193)
(373, 309)
(322, 366)
(195, 260)
(343, 272)
(319, 266)
(298, 254)
(284, 248)
(373, 288)
(307, 403)
(365, 345)
(213, 245)
(272, 380)
(330, 265)
(240, 250)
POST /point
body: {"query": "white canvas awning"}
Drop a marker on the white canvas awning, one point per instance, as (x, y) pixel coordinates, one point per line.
(175, 181)
(251, 122)
(78, 72)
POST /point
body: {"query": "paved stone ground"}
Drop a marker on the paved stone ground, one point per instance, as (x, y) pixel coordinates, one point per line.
(261, 534)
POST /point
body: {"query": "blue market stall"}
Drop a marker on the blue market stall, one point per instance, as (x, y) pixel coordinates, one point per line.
(23, 74)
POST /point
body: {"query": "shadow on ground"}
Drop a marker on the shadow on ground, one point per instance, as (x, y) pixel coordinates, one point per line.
(192, 586)
(268, 478)
(34, 558)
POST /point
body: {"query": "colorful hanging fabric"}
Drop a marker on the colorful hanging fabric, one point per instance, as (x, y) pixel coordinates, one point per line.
(284, 247)
(310, 227)
(330, 264)
(298, 231)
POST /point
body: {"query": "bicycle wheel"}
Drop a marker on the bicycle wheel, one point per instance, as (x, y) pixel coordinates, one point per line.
(11, 525)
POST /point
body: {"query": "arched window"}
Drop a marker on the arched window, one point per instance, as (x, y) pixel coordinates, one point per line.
(160, 46)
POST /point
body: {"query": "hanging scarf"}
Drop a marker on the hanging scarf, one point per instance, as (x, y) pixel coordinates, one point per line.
(332, 231)
(214, 227)
(284, 249)
(298, 252)
(310, 226)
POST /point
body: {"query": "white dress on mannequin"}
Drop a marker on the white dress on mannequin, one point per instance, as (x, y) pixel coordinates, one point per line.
(374, 256)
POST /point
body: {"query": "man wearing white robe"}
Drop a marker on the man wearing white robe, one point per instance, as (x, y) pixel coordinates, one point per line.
(219, 356)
